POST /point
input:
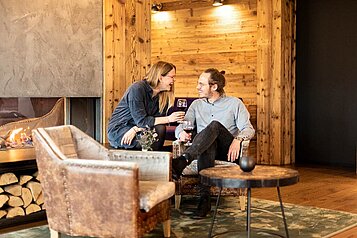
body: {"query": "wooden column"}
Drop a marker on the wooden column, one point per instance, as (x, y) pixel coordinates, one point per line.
(276, 82)
(127, 49)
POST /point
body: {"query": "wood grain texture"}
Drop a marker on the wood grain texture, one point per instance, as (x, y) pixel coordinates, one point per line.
(329, 188)
(199, 36)
(127, 50)
(276, 83)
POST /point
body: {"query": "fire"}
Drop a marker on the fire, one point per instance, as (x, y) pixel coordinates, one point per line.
(12, 137)
(19, 138)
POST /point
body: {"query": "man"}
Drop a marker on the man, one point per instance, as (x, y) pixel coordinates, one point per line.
(221, 122)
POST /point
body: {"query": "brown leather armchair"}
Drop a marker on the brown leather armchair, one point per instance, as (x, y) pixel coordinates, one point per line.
(92, 191)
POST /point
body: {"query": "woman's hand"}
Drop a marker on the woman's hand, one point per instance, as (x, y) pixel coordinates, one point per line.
(129, 136)
(234, 149)
(176, 116)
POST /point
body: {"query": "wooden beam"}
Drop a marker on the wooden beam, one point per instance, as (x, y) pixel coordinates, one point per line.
(276, 82)
(126, 48)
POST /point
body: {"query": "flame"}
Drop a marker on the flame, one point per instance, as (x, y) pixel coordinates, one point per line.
(13, 134)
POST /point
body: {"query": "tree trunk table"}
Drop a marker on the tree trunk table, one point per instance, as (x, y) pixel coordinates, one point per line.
(261, 176)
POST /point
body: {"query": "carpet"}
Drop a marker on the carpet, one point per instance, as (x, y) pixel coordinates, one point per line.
(266, 221)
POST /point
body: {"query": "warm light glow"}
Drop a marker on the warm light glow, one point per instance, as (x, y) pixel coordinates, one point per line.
(226, 14)
(13, 134)
(217, 3)
(161, 16)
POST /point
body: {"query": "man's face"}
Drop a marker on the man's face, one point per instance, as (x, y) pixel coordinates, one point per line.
(203, 87)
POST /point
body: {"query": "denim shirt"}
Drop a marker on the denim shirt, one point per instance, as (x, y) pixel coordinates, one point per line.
(136, 108)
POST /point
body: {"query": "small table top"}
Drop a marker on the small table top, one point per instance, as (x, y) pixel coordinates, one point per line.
(261, 176)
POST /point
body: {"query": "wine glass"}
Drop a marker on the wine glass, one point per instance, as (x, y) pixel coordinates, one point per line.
(181, 105)
(188, 128)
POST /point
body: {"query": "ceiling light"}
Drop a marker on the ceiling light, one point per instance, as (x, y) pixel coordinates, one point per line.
(217, 3)
(156, 7)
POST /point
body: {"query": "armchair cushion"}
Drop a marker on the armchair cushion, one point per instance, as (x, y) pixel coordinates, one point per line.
(154, 192)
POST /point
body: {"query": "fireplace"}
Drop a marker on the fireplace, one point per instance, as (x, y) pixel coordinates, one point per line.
(18, 116)
(17, 157)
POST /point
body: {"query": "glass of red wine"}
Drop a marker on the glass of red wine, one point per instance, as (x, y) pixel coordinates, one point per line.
(188, 128)
(181, 105)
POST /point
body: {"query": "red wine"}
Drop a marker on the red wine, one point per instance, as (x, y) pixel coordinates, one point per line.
(188, 130)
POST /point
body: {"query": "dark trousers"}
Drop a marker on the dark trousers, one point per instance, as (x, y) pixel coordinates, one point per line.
(115, 139)
(210, 144)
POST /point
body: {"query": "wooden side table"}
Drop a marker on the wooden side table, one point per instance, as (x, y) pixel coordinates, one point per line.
(261, 176)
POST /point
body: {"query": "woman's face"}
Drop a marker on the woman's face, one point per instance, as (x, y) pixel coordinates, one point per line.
(167, 82)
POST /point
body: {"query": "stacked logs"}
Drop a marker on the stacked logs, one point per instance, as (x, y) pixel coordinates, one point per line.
(20, 195)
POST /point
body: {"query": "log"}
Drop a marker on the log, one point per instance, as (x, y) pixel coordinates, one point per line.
(8, 178)
(1, 190)
(26, 196)
(15, 201)
(35, 188)
(3, 199)
(14, 189)
(32, 208)
(15, 211)
(43, 207)
(39, 200)
(24, 179)
(37, 176)
(2, 213)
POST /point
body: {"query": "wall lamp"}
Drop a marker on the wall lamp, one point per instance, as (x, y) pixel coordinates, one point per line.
(156, 7)
(217, 3)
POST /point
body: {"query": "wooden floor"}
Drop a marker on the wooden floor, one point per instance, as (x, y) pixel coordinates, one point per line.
(334, 189)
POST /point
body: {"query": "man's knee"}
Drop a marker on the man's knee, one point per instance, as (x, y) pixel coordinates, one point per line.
(215, 125)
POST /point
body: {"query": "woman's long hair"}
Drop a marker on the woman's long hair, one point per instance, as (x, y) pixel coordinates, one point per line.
(161, 68)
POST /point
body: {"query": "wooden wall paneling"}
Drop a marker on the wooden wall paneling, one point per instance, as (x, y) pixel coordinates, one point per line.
(264, 74)
(108, 82)
(143, 21)
(203, 37)
(293, 79)
(126, 27)
(276, 85)
(277, 97)
(119, 59)
(130, 43)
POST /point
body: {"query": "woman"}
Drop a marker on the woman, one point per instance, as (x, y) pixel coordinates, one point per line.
(145, 104)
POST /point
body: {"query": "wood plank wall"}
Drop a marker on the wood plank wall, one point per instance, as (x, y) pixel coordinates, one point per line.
(195, 38)
(276, 82)
(127, 49)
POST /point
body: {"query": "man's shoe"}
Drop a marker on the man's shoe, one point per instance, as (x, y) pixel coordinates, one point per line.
(204, 207)
(178, 165)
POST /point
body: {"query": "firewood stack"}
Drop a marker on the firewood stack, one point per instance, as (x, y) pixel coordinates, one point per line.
(20, 195)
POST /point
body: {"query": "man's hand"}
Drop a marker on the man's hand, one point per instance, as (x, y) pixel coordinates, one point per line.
(128, 137)
(185, 136)
(234, 149)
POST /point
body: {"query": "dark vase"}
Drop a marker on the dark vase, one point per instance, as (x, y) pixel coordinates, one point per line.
(247, 163)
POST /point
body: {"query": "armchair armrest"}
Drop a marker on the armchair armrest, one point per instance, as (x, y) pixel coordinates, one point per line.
(153, 166)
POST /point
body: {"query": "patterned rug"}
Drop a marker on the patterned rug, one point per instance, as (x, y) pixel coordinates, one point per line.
(266, 221)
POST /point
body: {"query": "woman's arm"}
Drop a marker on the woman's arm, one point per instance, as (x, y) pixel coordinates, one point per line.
(173, 117)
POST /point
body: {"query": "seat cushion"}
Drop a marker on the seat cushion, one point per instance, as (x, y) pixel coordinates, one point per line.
(154, 192)
(191, 169)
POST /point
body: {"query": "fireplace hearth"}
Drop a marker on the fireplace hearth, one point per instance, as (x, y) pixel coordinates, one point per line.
(30, 113)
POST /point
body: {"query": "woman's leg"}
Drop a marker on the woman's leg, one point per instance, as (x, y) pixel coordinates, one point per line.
(161, 133)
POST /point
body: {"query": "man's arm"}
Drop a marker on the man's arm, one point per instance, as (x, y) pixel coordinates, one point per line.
(246, 130)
